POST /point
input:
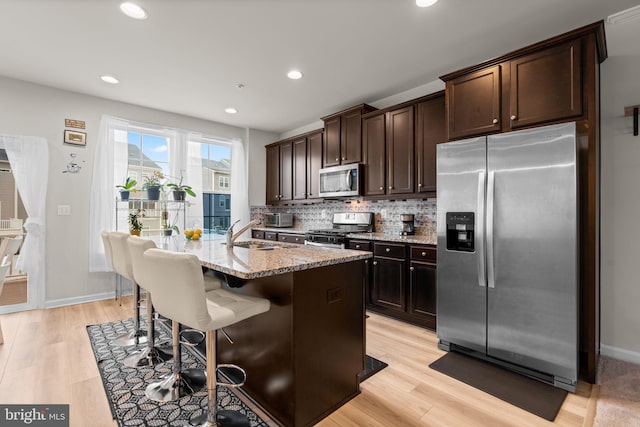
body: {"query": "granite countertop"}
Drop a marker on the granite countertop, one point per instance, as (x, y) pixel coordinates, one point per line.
(248, 263)
(419, 239)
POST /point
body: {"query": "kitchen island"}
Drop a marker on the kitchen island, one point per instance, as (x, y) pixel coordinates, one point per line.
(303, 356)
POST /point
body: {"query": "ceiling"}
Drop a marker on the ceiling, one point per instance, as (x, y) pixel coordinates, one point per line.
(189, 55)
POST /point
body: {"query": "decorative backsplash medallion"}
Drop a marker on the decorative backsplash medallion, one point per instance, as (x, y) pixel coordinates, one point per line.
(387, 214)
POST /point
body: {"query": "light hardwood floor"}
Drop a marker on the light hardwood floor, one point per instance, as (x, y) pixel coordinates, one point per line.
(47, 358)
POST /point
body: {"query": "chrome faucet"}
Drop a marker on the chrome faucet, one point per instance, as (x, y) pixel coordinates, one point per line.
(231, 237)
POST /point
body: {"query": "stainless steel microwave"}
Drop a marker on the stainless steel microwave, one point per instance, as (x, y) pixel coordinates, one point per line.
(278, 220)
(341, 181)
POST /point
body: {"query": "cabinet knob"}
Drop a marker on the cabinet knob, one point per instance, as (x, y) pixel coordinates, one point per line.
(411, 268)
(357, 246)
(419, 185)
(382, 188)
(375, 262)
(495, 121)
(337, 159)
(344, 158)
(390, 188)
(513, 117)
(387, 250)
(424, 254)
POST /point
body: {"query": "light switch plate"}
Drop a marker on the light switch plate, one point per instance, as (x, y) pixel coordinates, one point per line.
(64, 210)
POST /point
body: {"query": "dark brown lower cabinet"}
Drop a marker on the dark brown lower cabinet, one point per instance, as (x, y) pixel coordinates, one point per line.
(401, 281)
(422, 292)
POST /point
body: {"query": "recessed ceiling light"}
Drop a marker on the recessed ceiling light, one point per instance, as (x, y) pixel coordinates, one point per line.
(132, 10)
(110, 79)
(425, 3)
(230, 110)
(294, 74)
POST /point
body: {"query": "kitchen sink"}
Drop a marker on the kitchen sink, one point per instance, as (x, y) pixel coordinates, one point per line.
(255, 245)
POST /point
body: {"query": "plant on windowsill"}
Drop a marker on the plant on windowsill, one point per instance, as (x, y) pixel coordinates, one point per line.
(127, 188)
(135, 226)
(153, 185)
(180, 191)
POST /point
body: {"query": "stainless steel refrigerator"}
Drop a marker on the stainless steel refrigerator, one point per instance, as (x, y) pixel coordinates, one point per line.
(507, 226)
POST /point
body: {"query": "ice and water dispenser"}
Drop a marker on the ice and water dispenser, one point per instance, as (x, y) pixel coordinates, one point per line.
(460, 231)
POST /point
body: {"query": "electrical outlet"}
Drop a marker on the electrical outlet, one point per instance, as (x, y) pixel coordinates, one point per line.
(64, 210)
(323, 214)
(383, 213)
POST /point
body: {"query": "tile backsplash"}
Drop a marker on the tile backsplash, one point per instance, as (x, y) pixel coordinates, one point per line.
(387, 214)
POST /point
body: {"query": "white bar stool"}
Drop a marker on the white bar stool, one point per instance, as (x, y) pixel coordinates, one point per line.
(190, 305)
(122, 265)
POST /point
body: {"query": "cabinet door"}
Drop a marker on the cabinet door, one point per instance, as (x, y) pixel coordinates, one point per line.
(400, 159)
(351, 143)
(273, 174)
(299, 168)
(314, 163)
(388, 283)
(546, 86)
(332, 142)
(430, 130)
(474, 103)
(373, 146)
(422, 289)
(286, 171)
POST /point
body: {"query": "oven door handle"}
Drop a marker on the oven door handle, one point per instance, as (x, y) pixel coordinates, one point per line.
(324, 245)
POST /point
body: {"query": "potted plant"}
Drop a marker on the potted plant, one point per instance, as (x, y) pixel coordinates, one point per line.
(153, 185)
(135, 226)
(127, 188)
(180, 191)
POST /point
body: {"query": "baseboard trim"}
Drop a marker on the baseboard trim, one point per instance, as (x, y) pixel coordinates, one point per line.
(79, 300)
(620, 353)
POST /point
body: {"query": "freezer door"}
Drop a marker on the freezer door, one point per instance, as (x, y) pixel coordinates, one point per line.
(461, 283)
(532, 278)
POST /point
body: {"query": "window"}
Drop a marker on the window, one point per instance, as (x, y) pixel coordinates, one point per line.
(223, 182)
(221, 202)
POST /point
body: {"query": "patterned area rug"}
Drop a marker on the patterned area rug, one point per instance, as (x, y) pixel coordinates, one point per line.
(619, 398)
(125, 386)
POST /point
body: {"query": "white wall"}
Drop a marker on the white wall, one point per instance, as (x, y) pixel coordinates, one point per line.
(620, 205)
(28, 109)
(257, 165)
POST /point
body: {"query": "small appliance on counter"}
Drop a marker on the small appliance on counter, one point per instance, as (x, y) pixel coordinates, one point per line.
(408, 227)
(280, 220)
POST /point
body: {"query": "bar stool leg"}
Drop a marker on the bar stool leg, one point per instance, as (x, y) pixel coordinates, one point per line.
(137, 336)
(179, 383)
(212, 417)
(150, 355)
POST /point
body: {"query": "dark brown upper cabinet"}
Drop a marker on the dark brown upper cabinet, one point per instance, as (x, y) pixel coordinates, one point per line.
(430, 131)
(374, 150)
(546, 85)
(279, 172)
(343, 136)
(314, 163)
(299, 168)
(293, 168)
(400, 151)
(474, 103)
(536, 85)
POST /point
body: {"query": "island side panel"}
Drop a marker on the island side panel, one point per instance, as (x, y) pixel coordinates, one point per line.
(263, 347)
(329, 338)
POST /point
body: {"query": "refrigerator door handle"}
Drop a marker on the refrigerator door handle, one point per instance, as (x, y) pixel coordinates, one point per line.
(480, 227)
(490, 202)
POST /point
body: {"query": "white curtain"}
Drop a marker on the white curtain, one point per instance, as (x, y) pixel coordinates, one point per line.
(185, 158)
(29, 159)
(239, 188)
(109, 170)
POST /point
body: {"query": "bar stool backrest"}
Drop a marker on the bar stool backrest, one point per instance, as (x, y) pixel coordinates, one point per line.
(120, 254)
(137, 248)
(9, 247)
(4, 270)
(178, 288)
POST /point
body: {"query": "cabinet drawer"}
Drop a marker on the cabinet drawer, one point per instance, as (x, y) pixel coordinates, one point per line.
(291, 238)
(389, 250)
(257, 234)
(359, 245)
(270, 235)
(423, 253)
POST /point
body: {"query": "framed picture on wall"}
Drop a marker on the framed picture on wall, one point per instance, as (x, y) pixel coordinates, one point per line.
(75, 138)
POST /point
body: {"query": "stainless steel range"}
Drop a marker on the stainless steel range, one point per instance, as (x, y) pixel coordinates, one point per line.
(343, 223)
